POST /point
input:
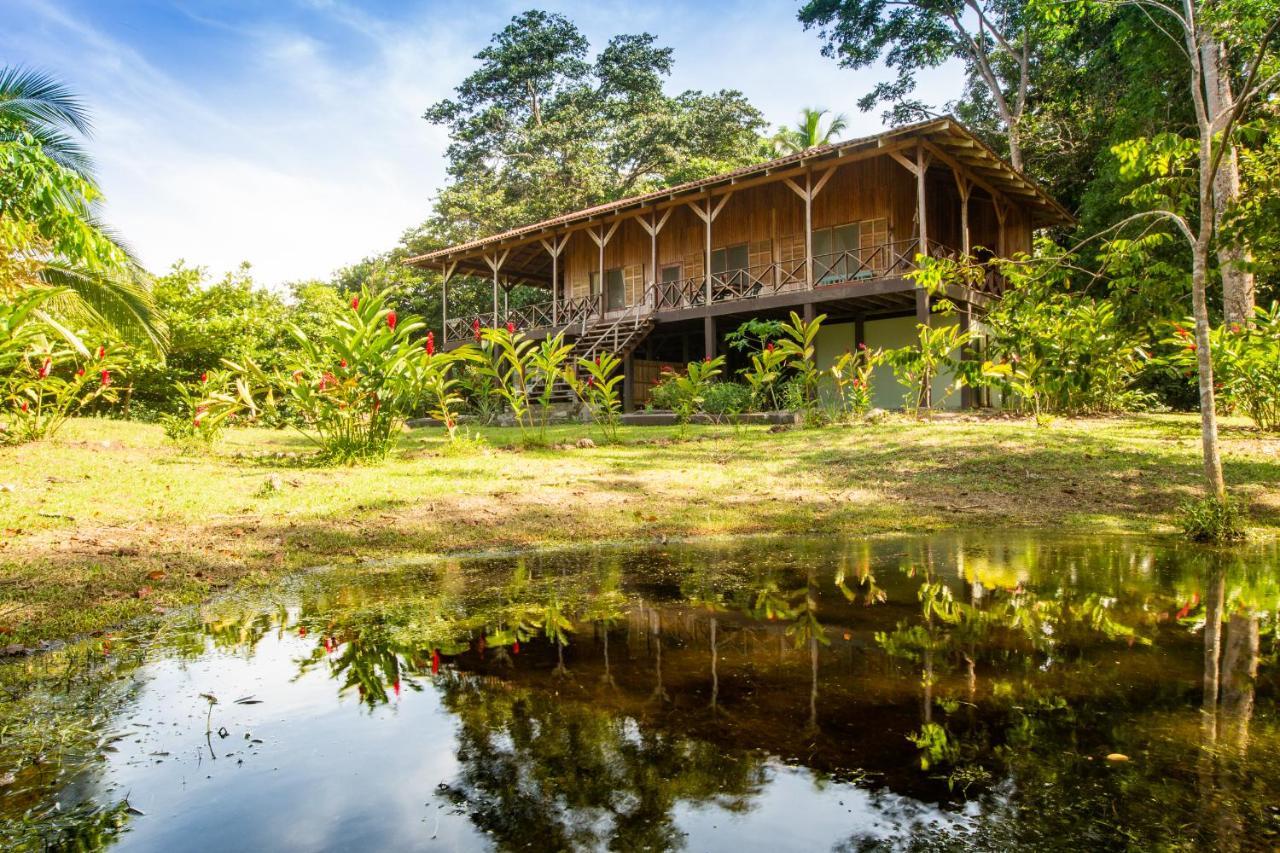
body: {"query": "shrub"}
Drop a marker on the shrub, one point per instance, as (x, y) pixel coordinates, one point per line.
(1212, 520)
(851, 377)
(1246, 364)
(49, 385)
(599, 391)
(765, 377)
(798, 345)
(916, 366)
(353, 382)
(193, 426)
(726, 399)
(690, 388)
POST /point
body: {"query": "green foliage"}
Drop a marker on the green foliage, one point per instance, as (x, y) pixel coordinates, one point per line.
(727, 399)
(49, 384)
(508, 361)
(1246, 364)
(686, 392)
(850, 377)
(599, 390)
(915, 367)
(548, 364)
(193, 427)
(754, 334)
(765, 378)
(798, 346)
(541, 127)
(809, 132)
(1212, 520)
(352, 383)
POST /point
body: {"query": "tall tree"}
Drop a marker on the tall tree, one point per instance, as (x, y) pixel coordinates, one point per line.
(809, 131)
(541, 127)
(995, 39)
(1202, 28)
(38, 104)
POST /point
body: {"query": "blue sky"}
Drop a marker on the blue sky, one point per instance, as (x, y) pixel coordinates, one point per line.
(288, 133)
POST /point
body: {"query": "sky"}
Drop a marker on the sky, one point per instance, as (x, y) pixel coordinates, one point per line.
(289, 133)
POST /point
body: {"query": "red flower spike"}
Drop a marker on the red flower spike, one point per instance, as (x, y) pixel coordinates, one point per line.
(106, 378)
(706, 359)
(24, 405)
(355, 303)
(45, 368)
(862, 346)
(343, 364)
(475, 328)
(431, 343)
(102, 353)
(204, 377)
(80, 372)
(768, 347)
(511, 328)
(391, 320)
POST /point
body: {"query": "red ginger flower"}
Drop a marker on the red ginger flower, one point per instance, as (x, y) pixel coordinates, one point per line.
(343, 363)
(102, 353)
(355, 303)
(431, 343)
(106, 378)
(24, 405)
(511, 328)
(768, 347)
(475, 328)
(45, 368)
(391, 320)
(80, 372)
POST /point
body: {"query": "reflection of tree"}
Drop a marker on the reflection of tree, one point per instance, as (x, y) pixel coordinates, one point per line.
(571, 776)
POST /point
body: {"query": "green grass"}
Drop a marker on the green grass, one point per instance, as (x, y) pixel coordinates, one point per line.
(106, 522)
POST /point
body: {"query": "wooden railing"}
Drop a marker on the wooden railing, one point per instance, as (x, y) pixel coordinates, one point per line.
(888, 259)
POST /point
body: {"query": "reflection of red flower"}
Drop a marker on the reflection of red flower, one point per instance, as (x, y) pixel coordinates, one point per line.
(396, 687)
(515, 647)
(435, 661)
(302, 632)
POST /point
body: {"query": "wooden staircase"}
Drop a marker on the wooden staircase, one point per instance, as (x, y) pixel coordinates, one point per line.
(617, 335)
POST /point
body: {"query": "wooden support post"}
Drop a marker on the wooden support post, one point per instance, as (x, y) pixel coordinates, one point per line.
(709, 336)
(708, 216)
(1002, 214)
(495, 263)
(809, 312)
(964, 188)
(859, 331)
(922, 306)
(601, 240)
(922, 212)
(628, 385)
(446, 273)
(554, 248)
(966, 393)
(652, 229)
(807, 195)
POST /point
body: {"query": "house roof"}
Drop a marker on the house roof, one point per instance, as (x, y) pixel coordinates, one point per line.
(950, 143)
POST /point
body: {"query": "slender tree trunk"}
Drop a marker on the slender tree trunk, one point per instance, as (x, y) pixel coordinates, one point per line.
(1237, 282)
(1214, 483)
(1015, 143)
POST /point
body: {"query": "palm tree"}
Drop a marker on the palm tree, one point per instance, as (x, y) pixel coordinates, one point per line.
(114, 293)
(809, 132)
(34, 102)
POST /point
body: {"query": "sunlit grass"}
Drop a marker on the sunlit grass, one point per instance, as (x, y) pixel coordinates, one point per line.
(106, 522)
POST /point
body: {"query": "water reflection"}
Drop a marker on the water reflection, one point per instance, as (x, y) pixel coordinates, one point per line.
(982, 691)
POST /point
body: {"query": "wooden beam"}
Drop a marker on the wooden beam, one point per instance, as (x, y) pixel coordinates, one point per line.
(822, 182)
(964, 187)
(719, 207)
(922, 213)
(808, 230)
(904, 162)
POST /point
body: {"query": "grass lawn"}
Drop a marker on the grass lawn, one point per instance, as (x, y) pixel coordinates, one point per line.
(106, 522)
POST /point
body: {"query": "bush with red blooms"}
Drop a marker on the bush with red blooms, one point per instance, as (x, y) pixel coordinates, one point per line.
(354, 383)
(44, 383)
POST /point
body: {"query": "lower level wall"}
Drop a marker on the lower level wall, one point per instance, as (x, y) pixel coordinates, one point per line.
(887, 392)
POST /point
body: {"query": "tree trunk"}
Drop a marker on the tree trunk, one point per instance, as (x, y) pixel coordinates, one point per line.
(1015, 144)
(1238, 295)
(1208, 416)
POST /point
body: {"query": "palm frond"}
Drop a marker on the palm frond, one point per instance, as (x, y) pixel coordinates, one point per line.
(35, 97)
(122, 301)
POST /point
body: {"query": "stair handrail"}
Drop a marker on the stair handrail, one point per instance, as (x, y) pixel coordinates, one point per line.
(633, 313)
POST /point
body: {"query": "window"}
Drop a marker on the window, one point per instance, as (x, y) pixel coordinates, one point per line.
(728, 259)
(855, 250)
(615, 296)
(671, 273)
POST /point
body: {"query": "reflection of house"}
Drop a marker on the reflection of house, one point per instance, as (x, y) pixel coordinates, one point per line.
(832, 230)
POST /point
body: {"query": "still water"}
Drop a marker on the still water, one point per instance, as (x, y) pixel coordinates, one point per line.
(956, 691)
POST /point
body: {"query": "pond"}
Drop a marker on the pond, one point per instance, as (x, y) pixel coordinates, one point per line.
(954, 691)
